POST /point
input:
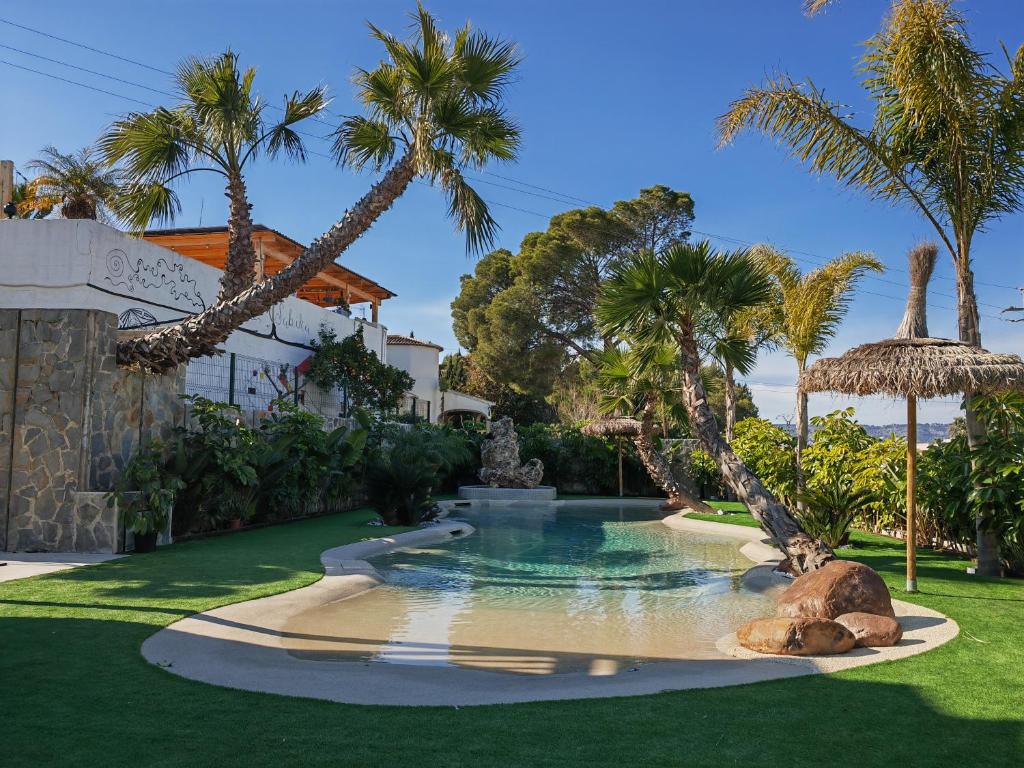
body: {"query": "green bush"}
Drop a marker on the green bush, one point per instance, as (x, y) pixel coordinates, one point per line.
(830, 509)
(285, 467)
(770, 453)
(408, 465)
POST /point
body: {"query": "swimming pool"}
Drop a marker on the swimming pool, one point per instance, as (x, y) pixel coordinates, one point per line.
(542, 590)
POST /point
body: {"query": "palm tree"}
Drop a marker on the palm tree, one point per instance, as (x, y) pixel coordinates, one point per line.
(434, 106)
(756, 325)
(947, 138)
(80, 183)
(219, 127)
(684, 296)
(29, 203)
(807, 309)
(637, 386)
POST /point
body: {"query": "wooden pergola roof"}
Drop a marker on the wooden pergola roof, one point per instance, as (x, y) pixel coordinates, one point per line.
(274, 252)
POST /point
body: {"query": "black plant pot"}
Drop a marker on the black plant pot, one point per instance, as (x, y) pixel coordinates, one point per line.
(145, 542)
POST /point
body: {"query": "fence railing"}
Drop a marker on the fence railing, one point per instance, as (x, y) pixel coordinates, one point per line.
(253, 384)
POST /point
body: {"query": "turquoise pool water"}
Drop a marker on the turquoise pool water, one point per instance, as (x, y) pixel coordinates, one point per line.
(543, 590)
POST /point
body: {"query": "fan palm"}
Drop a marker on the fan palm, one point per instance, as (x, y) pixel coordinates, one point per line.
(79, 183)
(433, 106)
(947, 138)
(685, 296)
(807, 309)
(637, 386)
(219, 127)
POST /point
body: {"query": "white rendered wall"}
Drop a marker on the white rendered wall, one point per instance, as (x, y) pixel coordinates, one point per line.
(422, 364)
(87, 265)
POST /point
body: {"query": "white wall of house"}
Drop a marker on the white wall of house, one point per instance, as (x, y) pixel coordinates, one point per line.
(74, 264)
(420, 362)
(84, 264)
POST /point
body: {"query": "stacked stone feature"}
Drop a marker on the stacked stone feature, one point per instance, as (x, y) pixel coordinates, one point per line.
(69, 420)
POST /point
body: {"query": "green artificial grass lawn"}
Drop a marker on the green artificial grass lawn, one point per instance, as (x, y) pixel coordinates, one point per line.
(77, 692)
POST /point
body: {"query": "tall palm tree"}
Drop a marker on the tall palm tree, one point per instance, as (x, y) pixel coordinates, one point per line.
(637, 386)
(219, 127)
(806, 310)
(757, 326)
(947, 138)
(684, 296)
(79, 183)
(434, 106)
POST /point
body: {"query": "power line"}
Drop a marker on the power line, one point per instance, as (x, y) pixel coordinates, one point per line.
(559, 197)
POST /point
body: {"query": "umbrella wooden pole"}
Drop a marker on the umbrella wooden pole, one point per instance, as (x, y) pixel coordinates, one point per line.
(911, 483)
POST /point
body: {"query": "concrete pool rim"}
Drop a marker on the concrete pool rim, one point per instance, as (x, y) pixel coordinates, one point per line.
(238, 645)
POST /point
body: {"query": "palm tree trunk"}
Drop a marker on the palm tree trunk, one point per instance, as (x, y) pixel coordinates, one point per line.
(165, 349)
(969, 327)
(660, 470)
(805, 554)
(240, 267)
(730, 404)
(802, 430)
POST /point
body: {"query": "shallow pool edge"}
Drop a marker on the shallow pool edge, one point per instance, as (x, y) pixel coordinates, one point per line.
(238, 645)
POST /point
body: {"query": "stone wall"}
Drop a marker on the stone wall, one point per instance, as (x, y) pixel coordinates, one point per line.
(71, 418)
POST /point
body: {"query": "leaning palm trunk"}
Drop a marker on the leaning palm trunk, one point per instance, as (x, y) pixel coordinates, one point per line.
(165, 349)
(660, 470)
(805, 554)
(240, 266)
(730, 404)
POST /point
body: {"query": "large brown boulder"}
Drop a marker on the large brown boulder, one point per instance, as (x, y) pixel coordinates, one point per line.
(870, 630)
(839, 587)
(795, 637)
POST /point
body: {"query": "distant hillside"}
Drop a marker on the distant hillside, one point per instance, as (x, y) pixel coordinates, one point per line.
(926, 433)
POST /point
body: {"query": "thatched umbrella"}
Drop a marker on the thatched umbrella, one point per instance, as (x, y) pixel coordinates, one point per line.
(656, 464)
(914, 366)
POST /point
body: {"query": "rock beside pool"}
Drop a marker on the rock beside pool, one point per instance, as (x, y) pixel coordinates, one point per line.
(795, 637)
(841, 586)
(872, 631)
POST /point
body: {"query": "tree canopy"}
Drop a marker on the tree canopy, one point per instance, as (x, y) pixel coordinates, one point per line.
(526, 316)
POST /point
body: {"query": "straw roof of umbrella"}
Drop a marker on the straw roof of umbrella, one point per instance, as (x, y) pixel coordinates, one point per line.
(612, 426)
(912, 364)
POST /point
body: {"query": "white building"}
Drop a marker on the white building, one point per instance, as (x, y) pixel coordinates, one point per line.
(79, 264)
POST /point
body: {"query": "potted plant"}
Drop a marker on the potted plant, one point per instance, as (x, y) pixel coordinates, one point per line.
(145, 494)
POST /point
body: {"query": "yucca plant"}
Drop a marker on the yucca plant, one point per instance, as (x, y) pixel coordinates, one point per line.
(220, 126)
(434, 106)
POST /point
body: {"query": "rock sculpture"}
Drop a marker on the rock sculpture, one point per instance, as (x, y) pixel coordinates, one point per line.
(500, 457)
(795, 637)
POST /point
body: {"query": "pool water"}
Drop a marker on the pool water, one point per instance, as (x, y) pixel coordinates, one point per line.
(542, 590)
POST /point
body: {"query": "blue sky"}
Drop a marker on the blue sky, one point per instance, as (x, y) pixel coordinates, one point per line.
(611, 96)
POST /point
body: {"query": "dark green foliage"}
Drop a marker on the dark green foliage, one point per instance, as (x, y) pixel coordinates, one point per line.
(348, 365)
(829, 510)
(407, 466)
(286, 467)
(145, 490)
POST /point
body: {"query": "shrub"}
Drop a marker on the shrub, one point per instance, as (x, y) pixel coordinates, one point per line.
(285, 467)
(408, 465)
(146, 489)
(770, 453)
(830, 509)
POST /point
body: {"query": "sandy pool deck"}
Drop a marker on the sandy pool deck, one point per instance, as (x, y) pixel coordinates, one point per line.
(240, 646)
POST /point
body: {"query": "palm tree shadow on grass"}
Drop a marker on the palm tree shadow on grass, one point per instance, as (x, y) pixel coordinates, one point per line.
(830, 719)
